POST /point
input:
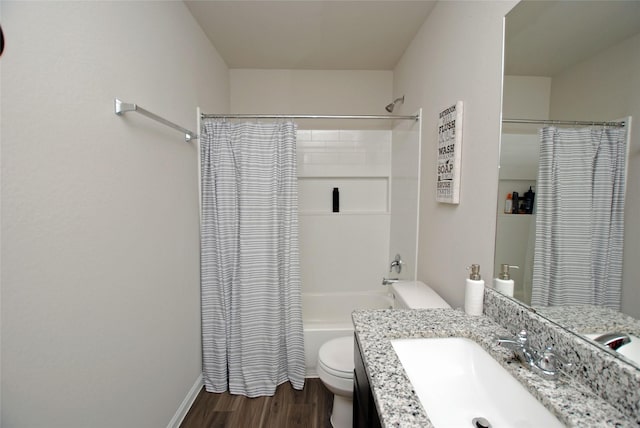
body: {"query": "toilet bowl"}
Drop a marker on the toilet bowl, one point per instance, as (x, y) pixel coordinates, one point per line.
(335, 369)
(335, 357)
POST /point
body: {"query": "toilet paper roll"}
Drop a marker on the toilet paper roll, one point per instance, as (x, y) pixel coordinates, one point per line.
(474, 297)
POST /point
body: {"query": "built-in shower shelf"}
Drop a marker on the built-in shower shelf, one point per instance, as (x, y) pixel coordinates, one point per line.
(514, 216)
(357, 195)
(325, 213)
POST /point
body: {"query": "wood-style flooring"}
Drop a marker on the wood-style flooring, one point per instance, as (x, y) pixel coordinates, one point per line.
(288, 408)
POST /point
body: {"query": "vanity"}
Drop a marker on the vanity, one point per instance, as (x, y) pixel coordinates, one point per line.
(384, 396)
(365, 413)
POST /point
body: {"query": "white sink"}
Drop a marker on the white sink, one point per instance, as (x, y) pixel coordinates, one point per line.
(631, 350)
(456, 381)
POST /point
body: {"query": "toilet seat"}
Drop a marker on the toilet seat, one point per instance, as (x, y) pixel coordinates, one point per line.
(336, 357)
(337, 373)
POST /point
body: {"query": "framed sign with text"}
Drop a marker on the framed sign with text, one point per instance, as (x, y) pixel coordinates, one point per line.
(449, 154)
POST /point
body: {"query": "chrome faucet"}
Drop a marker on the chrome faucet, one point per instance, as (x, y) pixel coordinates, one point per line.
(396, 264)
(613, 340)
(546, 363)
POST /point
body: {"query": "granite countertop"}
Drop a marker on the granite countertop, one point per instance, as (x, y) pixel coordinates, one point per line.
(584, 319)
(589, 319)
(570, 401)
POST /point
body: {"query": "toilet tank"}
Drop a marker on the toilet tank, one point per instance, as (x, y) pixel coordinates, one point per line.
(415, 295)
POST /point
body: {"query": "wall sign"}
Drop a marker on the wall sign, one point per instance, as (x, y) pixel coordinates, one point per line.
(449, 154)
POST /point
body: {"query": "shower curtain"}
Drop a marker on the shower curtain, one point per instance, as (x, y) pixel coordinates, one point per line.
(252, 334)
(580, 217)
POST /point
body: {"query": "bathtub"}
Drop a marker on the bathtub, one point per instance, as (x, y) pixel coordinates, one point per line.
(327, 316)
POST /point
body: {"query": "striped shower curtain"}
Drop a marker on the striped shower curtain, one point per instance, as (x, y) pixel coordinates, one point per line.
(580, 217)
(250, 272)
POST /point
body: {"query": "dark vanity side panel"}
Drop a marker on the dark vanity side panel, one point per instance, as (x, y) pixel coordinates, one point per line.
(365, 414)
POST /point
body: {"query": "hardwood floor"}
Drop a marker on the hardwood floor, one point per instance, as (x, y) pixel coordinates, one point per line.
(288, 408)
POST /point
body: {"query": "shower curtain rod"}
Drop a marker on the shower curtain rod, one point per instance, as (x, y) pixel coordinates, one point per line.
(306, 116)
(120, 108)
(621, 124)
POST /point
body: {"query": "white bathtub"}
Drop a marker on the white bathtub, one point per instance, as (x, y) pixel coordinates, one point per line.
(327, 316)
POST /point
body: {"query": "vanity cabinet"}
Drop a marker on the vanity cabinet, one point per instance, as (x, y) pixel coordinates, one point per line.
(365, 414)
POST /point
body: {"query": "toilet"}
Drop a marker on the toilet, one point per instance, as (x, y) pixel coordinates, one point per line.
(335, 357)
(335, 370)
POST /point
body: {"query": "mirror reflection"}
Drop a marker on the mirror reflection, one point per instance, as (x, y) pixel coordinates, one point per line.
(567, 229)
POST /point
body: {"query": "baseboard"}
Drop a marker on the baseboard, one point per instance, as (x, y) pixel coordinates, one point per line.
(311, 372)
(186, 403)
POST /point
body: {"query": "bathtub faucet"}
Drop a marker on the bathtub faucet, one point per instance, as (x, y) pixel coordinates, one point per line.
(389, 281)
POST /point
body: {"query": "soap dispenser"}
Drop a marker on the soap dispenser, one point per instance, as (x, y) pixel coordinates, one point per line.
(503, 283)
(474, 292)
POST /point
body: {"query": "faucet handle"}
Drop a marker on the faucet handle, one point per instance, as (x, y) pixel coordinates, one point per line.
(549, 360)
(519, 341)
(397, 264)
(522, 337)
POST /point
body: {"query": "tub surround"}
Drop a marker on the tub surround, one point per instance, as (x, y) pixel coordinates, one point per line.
(572, 402)
(612, 378)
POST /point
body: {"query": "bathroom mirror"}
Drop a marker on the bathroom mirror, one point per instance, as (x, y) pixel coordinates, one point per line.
(567, 60)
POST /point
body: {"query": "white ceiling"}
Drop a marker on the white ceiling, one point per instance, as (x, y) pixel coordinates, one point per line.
(545, 37)
(542, 37)
(323, 35)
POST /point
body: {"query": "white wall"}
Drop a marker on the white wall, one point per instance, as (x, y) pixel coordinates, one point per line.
(525, 97)
(607, 86)
(314, 92)
(457, 55)
(100, 247)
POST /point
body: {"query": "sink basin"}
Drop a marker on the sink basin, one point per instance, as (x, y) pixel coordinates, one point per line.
(631, 350)
(456, 380)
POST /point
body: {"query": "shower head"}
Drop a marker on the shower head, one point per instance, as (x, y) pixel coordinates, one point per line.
(391, 106)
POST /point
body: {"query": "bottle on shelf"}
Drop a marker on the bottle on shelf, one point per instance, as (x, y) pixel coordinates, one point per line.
(529, 195)
(336, 200)
(508, 204)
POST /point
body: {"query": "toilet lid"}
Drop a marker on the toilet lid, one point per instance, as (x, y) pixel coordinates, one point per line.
(337, 355)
